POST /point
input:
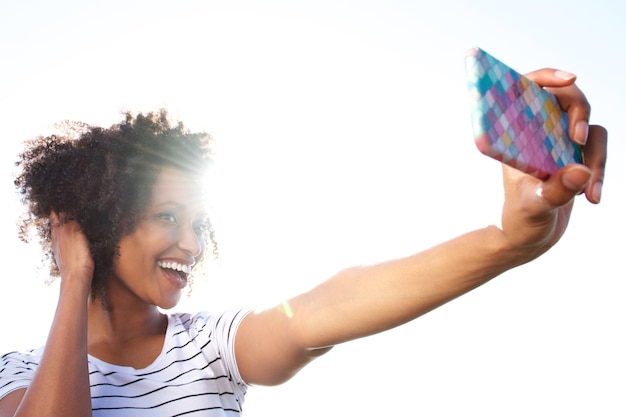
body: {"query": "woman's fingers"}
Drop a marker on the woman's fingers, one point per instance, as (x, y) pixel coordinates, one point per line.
(570, 98)
(595, 154)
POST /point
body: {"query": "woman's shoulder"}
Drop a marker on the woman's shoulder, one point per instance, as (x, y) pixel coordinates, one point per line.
(206, 321)
(17, 369)
(24, 357)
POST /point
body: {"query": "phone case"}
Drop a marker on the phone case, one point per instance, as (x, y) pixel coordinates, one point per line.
(515, 120)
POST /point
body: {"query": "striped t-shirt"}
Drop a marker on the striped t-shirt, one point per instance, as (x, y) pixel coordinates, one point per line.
(195, 374)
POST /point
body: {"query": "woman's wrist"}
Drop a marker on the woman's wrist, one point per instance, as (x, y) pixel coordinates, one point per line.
(78, 282)
(506, 249)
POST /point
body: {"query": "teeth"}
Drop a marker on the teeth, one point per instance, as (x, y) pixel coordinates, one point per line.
(175, 266)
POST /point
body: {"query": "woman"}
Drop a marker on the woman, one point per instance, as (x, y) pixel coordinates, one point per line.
(122, 211)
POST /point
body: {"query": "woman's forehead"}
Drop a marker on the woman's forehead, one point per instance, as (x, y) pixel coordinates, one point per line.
(174, 185)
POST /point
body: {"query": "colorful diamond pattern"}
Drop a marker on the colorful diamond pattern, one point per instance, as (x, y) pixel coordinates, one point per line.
(514, 120)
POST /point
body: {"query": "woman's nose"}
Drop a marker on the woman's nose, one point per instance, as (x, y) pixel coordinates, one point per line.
(190, 242)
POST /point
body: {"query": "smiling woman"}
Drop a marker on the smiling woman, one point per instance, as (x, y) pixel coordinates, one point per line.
(121, 215)
(121, 212)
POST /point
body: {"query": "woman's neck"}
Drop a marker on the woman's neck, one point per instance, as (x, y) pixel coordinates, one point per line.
(125, 334)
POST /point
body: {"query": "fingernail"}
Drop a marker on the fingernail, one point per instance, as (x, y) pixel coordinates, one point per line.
(576, 177)
(564, 75)
(596, 192)
(581, 130)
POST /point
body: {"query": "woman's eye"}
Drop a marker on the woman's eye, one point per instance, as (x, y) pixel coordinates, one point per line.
(168, 217)
(200, 227)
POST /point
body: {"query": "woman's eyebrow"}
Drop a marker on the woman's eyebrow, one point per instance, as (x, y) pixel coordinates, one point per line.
(200, 215)
(169, 203)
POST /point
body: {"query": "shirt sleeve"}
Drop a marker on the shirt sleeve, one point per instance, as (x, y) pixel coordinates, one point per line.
(217, 332)
(17, 370)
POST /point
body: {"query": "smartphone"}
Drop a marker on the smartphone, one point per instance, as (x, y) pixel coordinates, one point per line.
(514, 120)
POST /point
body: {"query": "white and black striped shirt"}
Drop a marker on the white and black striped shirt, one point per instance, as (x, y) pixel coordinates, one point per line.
(195, 374)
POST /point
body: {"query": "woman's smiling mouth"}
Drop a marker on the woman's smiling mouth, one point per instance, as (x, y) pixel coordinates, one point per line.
(176, 272)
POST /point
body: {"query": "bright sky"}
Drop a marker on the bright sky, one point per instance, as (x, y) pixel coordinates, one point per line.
(343, 137)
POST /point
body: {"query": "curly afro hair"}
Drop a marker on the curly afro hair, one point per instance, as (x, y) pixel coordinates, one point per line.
(103, 179)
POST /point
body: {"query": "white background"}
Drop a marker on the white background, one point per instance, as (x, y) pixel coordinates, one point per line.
(343, 138)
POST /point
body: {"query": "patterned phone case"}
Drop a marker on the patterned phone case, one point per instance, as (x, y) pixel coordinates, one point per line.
(515, 120)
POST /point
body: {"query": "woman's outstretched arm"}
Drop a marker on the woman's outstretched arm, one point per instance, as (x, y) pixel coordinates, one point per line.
(274, 344)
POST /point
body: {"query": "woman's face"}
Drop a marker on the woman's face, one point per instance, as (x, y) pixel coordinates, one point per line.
(155, 259)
